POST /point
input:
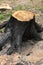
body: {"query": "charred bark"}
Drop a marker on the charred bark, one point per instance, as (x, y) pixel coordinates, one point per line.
(3, 24)
(4, 39)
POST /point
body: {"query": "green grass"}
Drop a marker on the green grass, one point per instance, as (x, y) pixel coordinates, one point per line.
(22, 7)
(14, 0)
(1, 16)
(41, 8)
(9, 14)
(27, 7)
(41, 0)
(30, 0)
(19, 7)
(1, 31)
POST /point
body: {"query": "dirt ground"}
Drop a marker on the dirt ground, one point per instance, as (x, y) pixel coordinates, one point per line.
(32, 54)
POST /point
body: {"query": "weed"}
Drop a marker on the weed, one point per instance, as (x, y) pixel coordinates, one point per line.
(27, 7)
(30, 0)
(19, 7)
(9, 14)
(41, 0)
(1, 16)
(41, 8)
(0, 30)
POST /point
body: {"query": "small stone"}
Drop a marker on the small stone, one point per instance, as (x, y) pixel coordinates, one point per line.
(41, 11)
(19, 64)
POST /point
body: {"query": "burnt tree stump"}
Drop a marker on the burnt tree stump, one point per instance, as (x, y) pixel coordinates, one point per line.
(22, 26)
(4, 7)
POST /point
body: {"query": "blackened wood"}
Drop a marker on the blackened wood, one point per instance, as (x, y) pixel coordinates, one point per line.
(4, 39)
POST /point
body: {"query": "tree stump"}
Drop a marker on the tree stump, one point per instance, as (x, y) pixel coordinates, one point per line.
(4, 7)
(22, 26)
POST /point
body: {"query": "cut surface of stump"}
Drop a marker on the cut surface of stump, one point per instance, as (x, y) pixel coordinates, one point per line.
(23, 16)
(5, 6)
